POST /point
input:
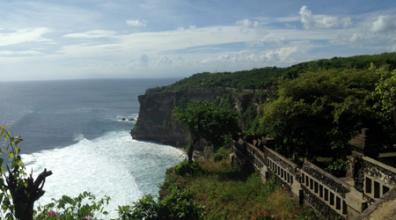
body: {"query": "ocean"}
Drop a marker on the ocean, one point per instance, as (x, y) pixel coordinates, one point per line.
(79, 129)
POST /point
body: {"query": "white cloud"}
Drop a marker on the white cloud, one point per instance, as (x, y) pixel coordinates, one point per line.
(8, 53)
(92, 34)
(310, 20)
(136, 23)
(161, 41)
(248, 23)
(248, 43)
(282, 54)
(23, 36)
(275, 56)
(384, 23)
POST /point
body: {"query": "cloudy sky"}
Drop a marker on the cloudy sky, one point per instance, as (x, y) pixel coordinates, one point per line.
(44, 40)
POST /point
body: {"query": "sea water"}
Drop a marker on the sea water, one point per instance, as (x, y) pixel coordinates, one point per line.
(80, 131)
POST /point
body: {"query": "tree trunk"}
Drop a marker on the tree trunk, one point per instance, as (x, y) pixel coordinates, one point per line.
(394, 117)
(190, 152)
(24, 209)
(25, 192)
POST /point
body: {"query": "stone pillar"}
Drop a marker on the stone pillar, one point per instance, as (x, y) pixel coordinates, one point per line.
(264, 173)
(355, 203)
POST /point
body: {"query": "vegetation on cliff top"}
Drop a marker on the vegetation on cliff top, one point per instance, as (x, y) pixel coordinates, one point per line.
(317, 114)
(313, 109)
(231, 193)
(262, 78)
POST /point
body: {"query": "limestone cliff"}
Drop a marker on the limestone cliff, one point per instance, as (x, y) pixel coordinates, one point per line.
(157, 122)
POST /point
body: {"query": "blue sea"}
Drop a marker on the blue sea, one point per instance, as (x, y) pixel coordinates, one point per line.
(79, 129)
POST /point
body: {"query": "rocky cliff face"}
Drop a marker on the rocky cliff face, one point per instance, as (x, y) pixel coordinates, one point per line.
(157, 122)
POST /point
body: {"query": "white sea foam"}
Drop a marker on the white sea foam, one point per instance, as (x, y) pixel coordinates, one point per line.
(112, 165)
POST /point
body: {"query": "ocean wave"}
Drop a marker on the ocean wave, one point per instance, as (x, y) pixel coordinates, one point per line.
(112, 165)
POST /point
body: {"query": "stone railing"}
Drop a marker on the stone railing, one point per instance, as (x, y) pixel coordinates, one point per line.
(324, 177)
(332, 197)
(324, 191)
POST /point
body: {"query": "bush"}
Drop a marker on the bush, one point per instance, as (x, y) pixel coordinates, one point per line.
(179, 205)
(338, 167)
(84, 206)
(186, 168)
(145, 208)
(221, 154)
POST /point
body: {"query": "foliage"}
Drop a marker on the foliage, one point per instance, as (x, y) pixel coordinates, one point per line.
(18, 191)
(263, 78)
(145, 208)
(208, 121)
(318, 113)
(179, 204)
(186, 168)
(9, 150)
(250, 79)
(385, 91)
(231, 193)
(84, 206)
(222, 154)
(338, 167)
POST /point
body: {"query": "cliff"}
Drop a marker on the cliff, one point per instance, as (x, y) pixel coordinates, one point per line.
(244, 91)
(157, 122)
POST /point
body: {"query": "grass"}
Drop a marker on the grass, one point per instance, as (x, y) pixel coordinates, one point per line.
(229, 193)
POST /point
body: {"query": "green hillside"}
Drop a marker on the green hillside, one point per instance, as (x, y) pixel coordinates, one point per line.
(260, 78)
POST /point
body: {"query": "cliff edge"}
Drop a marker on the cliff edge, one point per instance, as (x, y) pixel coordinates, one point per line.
(156, 121)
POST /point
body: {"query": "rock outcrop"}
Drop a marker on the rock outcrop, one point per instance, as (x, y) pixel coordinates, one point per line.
(157, 122)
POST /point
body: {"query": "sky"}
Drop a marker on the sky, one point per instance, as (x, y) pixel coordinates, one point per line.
(49, 40)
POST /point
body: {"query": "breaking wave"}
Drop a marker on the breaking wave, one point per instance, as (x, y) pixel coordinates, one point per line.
(113, 164)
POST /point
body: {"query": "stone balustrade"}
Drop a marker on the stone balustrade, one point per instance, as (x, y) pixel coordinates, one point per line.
(328, 195)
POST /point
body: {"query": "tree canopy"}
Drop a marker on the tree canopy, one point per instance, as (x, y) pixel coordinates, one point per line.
(318, 113)
(206, 120)
(262, 78)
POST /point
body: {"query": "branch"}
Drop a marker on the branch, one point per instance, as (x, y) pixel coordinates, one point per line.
(41, 178)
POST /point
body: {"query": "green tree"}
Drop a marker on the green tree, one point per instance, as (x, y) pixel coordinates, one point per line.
(318, 113)
(18, 191)
(205, 120)
(385, 91)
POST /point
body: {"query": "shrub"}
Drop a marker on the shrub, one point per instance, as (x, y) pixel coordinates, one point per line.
(221, 154)
(186, 168)
(84, 206)
(145, 208)
(338, 167)
(179, 205)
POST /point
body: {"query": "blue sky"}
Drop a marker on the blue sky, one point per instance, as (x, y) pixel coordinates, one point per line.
(45, 40)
